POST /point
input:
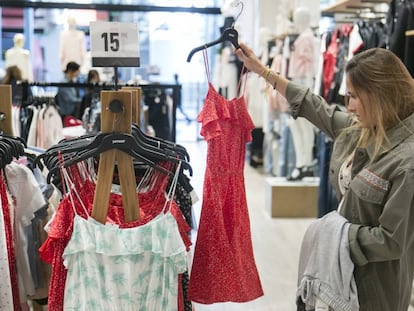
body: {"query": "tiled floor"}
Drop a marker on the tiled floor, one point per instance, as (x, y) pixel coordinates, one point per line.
(276, 242)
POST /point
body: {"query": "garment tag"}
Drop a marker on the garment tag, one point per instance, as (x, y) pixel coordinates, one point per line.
(194, 197)
(321, 306)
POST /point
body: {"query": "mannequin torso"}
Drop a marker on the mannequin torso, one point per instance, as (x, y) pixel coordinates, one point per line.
(20, 57)
(302, 54)
(72, 45)
(302, 70)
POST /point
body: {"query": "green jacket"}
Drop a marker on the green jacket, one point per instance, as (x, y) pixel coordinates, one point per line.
(379, 203)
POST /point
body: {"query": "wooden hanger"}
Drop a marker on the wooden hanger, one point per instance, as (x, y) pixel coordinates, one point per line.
(6, 125)
(116, 114)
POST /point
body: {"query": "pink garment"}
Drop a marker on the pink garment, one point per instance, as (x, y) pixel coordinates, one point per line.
(329, 60)
(49, 127)
(302, 57)
(10, 243)
(223, 267)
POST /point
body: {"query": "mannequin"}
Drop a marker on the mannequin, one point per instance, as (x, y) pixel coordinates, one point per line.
(301, 70)
(20, 57)
(72, 45)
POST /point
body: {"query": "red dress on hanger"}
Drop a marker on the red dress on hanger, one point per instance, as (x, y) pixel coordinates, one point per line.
(223, 266)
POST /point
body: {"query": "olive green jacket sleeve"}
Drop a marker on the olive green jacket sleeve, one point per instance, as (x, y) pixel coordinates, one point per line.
(303, 103)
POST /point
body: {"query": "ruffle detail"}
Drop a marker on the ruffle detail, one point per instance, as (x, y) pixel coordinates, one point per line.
(217, 109)
(160, 236)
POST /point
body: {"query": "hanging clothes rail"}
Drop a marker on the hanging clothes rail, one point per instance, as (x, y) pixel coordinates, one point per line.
(175, 94)
(116, 116)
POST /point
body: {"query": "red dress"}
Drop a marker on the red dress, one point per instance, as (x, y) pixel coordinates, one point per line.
(223, 266)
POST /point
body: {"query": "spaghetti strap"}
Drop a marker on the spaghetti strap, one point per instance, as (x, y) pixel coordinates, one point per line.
(245, 81)
(71, 189)
(207, 65)
(171, 191)
(242, 73)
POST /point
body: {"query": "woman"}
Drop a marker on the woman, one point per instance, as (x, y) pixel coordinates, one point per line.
(92, 92)
(67, 98)
(374, 144)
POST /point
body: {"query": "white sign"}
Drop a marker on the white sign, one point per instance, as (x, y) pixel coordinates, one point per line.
(114, 44)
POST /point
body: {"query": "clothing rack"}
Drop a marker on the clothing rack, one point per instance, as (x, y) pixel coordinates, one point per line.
(176, 93)
(116, 116)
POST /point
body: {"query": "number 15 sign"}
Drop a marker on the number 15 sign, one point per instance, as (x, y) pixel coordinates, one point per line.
(114, 44)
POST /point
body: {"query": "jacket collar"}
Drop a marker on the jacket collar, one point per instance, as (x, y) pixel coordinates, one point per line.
(396, 135)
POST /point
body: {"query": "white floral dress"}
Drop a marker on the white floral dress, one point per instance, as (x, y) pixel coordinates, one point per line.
(124, 269)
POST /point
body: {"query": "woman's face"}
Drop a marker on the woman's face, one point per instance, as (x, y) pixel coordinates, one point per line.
(357, 105)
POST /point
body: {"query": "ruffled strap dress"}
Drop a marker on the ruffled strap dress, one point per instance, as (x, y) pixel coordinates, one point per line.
(224, 267)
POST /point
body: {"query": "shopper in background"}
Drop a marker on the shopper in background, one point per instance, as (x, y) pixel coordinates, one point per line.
(67, 98)
(371, 169)
(91, 92)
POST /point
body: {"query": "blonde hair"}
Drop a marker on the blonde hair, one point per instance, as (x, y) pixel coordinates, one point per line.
(389, 89)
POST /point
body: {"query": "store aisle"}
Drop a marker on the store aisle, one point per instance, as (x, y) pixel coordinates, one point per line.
(276, 242)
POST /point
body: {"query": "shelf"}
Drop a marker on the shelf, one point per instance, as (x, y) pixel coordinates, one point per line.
(349, 6)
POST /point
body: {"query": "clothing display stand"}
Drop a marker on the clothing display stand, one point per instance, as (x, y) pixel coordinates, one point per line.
(6, 126)
(116, 116)
(136, 102)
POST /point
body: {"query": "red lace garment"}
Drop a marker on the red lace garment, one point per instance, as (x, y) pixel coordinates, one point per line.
(10, 243)
(151, 204)
(223, 267)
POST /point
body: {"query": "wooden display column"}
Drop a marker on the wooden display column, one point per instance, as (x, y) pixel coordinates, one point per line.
(6, 126)
(136, 103)
(119, 122)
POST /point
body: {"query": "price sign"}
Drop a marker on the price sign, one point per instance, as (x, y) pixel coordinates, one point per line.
(114, 44)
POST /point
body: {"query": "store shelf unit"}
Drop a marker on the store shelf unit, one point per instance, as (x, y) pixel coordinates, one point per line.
(350, 6)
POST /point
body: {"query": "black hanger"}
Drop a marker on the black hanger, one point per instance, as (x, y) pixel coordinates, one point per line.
(160, 143)
(152, 148)
(170, 150)
(229, 35)
(77, 151)
(10, 147)
(104, 142)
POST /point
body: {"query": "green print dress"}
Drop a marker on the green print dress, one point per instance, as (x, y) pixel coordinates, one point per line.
(124, 269)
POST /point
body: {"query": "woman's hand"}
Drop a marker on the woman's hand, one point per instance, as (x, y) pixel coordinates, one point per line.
(250, 60)
(253, 63)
